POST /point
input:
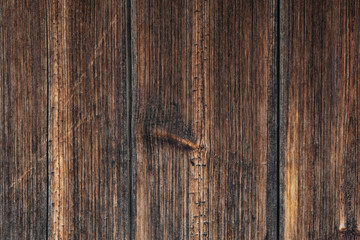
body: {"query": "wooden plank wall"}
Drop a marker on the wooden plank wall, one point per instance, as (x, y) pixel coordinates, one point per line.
(182, 119)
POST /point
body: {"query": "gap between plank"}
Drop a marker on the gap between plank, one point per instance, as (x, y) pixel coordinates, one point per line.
(47, 117)
(278, 52)
(129, 89)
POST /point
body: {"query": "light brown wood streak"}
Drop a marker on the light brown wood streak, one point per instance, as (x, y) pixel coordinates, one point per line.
(198, 183)
(88, 123)
(60, 174)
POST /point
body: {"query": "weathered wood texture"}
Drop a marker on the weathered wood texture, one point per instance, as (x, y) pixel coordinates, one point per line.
(205, 119)
(88, 122)
(166, 127)
(23, 111)
(320, 119)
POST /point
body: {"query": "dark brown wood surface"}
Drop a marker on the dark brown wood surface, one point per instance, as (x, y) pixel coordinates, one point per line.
(320, 118)
(183, 119)
(23, 120)
(206, 131)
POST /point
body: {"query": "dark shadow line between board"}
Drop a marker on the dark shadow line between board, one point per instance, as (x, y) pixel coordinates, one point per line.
(47, 117)
(278, 58)
(129, 89)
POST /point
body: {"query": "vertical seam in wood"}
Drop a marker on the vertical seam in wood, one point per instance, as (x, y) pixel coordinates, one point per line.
(128, 53)
(278, 116)
(278, 52)
(47, 117)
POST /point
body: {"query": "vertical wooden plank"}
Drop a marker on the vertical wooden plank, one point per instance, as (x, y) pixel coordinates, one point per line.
(23, 120)
(88, 123)
(241, 97)
(168, 118)
(206, 119)
(320, 118)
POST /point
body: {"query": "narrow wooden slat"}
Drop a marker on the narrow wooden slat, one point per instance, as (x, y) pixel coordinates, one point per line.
(320, 118)
(23, 120)
(88, 123)
(241, 96)
(168, 118)
(205, 119)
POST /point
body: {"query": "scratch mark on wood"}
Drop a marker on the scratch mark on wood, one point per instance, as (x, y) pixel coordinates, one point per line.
(21, 178)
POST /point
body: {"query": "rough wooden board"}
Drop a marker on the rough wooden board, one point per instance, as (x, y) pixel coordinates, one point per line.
(165, 113)
(320, 117)
(23, 111)
(88, 123)
(206, 119)
(242, 122)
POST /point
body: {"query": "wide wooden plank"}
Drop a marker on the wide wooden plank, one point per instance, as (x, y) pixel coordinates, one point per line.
(23, 119)
(320, 118)
(205, 119)
(88, 121)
